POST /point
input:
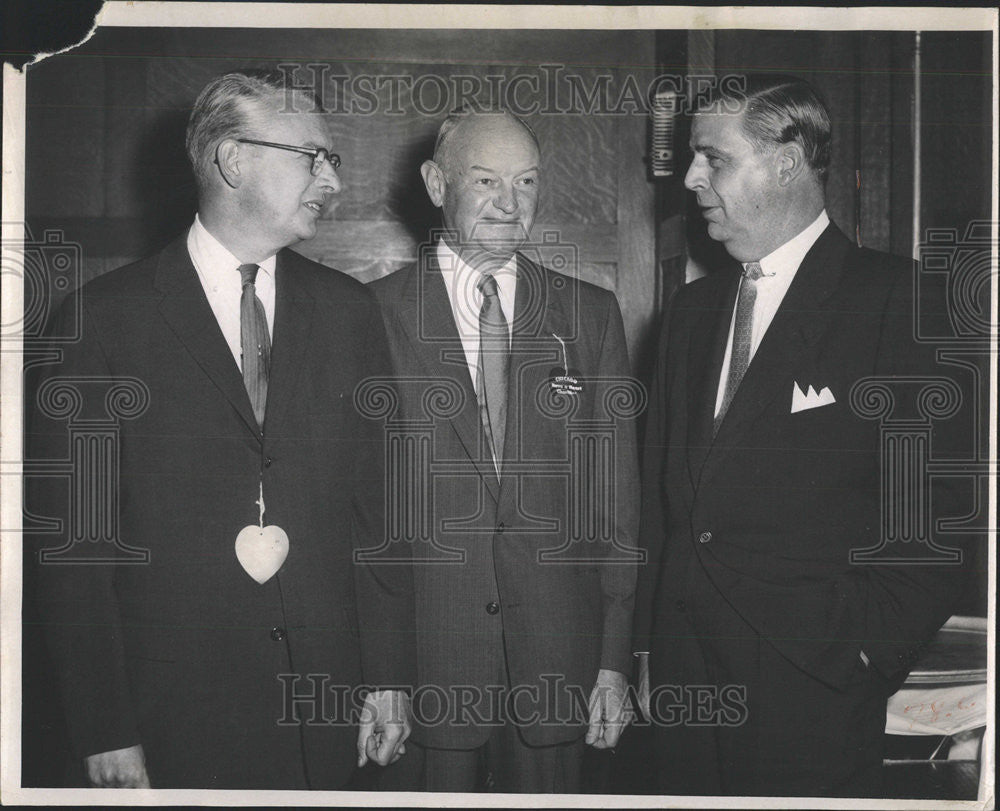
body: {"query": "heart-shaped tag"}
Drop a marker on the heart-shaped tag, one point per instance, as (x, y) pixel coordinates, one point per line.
(261, 551)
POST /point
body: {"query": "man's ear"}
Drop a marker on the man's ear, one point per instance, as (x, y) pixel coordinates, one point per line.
(791, 162)
(227, 158)
(434, 181)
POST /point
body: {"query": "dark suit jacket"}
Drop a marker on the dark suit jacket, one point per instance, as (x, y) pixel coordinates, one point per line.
(542, 546)
(186, 654)
(771, 508)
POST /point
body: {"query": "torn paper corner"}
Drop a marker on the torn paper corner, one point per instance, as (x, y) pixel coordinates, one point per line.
(38, 57)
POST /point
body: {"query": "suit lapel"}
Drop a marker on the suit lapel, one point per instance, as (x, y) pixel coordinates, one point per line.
(798, 324)
(427, 320)
(532, 306)
(186, 310)
(294, 305)
(706, 352)
(537, 316)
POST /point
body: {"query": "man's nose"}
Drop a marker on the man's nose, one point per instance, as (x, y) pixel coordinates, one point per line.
(328, 179)
(506, 200)
(694, 180)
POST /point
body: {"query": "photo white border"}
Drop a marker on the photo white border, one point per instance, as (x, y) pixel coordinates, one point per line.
(281, 15)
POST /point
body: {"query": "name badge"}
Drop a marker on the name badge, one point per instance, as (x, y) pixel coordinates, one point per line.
(565, 381)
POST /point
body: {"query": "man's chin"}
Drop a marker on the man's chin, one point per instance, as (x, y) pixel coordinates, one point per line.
(304, 232)
(716, 232)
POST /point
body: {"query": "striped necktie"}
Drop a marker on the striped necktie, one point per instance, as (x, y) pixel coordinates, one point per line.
(493, 367)
(255, 343)
(739, 357)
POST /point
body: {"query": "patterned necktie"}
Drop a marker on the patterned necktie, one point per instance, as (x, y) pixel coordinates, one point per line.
(739, 357)
(255, 343)
(493, 367)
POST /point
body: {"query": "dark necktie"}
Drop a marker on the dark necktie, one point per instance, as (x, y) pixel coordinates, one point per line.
(493, 367)
(739, 357)
(255, 343)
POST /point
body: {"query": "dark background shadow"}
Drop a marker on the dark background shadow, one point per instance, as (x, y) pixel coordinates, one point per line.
(163, 180)
(408, 199)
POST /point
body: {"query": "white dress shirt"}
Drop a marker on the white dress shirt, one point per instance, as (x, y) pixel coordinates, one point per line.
(461, 281)
(779, 268)
(218, 272)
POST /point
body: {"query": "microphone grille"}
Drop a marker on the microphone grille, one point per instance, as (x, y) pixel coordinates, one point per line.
(664, 108)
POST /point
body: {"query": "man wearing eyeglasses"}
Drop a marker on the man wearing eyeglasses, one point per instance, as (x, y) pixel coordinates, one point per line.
(222, 660)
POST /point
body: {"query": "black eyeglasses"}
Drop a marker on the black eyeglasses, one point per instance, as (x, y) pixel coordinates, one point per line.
(319, 155)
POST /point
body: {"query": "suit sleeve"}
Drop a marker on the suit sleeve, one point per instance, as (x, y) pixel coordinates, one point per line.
(906, 604)
(384, 589)
(653, 519)
(76, 601)
(618, 575)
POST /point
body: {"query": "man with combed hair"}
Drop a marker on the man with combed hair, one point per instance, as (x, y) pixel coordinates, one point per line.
(523, 618)
(247, 479)
(767, 648)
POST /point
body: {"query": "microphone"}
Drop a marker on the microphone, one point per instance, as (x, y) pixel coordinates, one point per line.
(664, 108)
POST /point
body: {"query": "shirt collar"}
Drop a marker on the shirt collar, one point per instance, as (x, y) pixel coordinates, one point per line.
(461, 277)
(789, 256)
(212, 254)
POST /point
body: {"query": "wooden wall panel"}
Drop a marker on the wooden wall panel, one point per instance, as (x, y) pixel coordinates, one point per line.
(106, 163)
(867, 79)
(635, 283)
(957, 129)
(581, 164)
(874, 90)
(900, 126)
(827, 59)
(596, 195)
(65, 125)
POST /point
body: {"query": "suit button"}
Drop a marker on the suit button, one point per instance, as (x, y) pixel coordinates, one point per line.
(492, 608)
(277, 634)
(705, 537)
(501, 527)
(680, 605)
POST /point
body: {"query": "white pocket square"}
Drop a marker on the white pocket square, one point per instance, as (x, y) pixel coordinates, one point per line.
(802, 400)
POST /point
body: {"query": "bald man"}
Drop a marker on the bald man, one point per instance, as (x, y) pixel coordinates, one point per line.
(522, 630)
